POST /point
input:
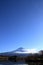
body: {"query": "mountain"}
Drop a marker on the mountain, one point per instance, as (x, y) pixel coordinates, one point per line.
(18, 52)
(21, 50)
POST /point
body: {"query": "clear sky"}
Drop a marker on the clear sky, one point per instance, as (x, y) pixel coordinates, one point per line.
(21, 24)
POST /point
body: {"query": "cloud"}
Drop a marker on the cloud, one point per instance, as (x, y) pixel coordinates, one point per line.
(27, 51)
(32, 50)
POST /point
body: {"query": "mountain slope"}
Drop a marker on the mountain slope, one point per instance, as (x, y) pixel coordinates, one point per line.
(18, 52)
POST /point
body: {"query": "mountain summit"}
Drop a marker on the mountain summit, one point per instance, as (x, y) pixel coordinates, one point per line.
(23, 50)
(20, 51)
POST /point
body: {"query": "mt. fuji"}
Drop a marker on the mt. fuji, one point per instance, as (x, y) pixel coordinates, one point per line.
(20, 51)
(23, 50)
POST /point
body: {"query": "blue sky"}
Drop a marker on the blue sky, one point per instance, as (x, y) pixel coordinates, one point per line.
(21, 24)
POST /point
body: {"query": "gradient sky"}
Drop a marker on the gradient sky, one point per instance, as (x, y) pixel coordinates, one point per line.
(21, 24)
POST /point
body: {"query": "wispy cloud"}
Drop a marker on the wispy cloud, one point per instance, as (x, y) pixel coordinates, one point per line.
(31, 50)
(27, 51)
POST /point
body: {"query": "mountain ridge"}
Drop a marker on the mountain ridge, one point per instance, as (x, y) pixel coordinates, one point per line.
(19, 52)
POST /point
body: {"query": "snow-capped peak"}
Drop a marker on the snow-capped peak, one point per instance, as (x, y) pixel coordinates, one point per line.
(20, 51)
(23, 50)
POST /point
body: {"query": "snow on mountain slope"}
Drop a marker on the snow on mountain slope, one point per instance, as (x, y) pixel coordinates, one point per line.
(22, 50)
(19, 51)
